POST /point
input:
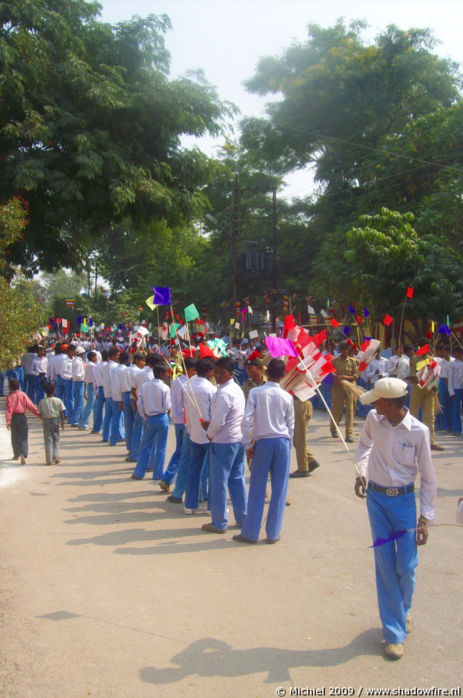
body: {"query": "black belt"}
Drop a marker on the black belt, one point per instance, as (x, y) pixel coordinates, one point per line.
(391, 491)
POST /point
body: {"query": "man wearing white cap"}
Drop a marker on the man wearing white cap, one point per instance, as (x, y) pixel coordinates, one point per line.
(393, 448)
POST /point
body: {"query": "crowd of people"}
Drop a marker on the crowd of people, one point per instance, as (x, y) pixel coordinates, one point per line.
(231, 409)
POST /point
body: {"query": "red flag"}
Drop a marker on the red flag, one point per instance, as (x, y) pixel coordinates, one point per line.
(409, 293)
(359, 319)
(334, 322)
(388, 320)
(289, 324)
(422, 350)
(204, 350)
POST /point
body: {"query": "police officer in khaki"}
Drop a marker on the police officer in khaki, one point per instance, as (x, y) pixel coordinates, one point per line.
(341, 396)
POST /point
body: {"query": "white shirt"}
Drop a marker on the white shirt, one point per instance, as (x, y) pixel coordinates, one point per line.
(375, 370)
(227, 414)
(105, 372)
(126, 378)
(39, 366)
(269, 414)
(98, 374)
(145, 374)
(403, 367)
(89, 372)
(115, 378)
(445, 367)
(177, 397)
(391, 366)
(455, 376)
(153, 398)
(65, 368)
(51, 368)
(78, 369)
(392, 456)
(204, 393)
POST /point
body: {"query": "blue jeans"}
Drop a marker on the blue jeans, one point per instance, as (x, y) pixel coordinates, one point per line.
(182, 472)
(456, 410)
(98, 412)
(68, 399)
(153, 445)
(226, 471)
(271, 455)
(89, 405)
(174, 462)
(59, 388)
(198, 460)
(116, 432)
(395, 562)
(108, 418)
(78, 395)
(128, 419)
(136, 436)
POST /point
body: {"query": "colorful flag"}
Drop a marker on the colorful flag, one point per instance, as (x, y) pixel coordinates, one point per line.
(409, 293)
(388, 320)
(280, 347)
(334, 322)
(149, 303)
(70, 302)
(162, 295)
(191, 313)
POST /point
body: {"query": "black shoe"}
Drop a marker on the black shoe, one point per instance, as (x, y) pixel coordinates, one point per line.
(271, 541)
(175, 500)
(334, 434)
(349, 440)
(135, 477)
(299, 473)
(241, 539)
(313, 465)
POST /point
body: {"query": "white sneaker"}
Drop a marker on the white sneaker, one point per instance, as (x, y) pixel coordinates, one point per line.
(189, 511)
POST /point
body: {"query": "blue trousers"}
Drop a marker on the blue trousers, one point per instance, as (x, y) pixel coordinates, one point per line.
(182, 472)
(137, 435)
(89, 405)
(226, 471)
(395, 562)
(128, 419)
(108, 418)
(59, 388)
(174, 462)
(456, 410)
(271, 456)
(116, 432)
(198, 459)
(153, 445)
(98, 411)
(68, 399)
(78, 395)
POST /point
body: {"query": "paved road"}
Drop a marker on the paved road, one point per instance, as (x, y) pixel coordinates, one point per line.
(110, 591)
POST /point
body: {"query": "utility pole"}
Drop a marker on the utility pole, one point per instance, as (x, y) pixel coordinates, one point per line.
(274, 255)
(234, 240)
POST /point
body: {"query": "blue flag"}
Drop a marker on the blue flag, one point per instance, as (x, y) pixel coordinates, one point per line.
(162, 295)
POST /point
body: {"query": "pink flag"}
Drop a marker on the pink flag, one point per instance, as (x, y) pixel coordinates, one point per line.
(279, 347)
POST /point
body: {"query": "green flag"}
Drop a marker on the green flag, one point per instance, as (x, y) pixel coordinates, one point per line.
(191, 313)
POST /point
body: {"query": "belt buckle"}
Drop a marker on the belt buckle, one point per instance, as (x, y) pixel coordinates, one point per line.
(392, 491)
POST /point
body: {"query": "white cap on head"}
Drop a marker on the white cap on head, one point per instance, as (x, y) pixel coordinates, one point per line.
(388, 388)
(80, 350)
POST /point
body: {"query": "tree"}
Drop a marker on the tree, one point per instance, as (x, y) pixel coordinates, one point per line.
(20, 313)
(90, 127)
(383, 255)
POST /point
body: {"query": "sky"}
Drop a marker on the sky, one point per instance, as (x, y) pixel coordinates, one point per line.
(226, 38)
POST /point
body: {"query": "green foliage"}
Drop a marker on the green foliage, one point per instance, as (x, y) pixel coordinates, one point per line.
(90, 126)
(384, 255)
(20, 313)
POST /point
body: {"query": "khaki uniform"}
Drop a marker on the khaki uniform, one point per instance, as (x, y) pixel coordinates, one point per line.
(424, 398)
(249, 384)
(340, 397)
(302, 413)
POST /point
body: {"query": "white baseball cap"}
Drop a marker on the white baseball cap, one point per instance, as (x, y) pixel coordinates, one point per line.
(80, 350)
(387, 388)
